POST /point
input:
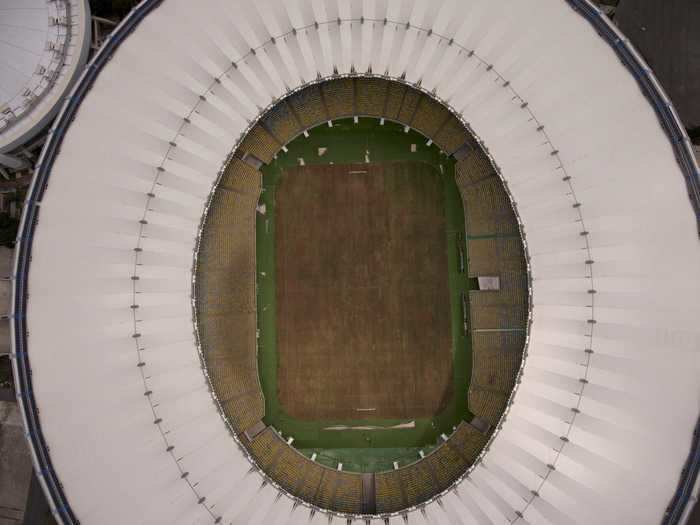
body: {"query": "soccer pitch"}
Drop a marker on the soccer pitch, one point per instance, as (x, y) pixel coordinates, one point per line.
(360, 274)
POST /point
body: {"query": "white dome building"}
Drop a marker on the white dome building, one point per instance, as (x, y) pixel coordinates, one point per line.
(602, 427)
(44, 46)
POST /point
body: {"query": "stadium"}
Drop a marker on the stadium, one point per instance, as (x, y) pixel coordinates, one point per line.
(378, 261)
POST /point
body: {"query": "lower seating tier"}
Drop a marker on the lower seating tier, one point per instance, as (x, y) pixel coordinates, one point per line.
(475, 168)
(451, 136)
(225, 296)
(487, 404)
(309, 106)
(487, 209)
(420, 481)
(370, 96)
(340, 97)
(495, 255)
(282, 122)
(430, 116)
(260, 143)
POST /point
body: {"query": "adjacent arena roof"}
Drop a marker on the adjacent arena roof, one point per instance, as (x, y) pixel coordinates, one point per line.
(43, 48)
(118, 412)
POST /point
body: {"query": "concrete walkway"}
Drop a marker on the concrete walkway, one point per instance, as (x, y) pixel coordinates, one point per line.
(15, 465)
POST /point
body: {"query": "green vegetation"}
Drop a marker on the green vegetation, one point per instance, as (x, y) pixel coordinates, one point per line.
(359, 450)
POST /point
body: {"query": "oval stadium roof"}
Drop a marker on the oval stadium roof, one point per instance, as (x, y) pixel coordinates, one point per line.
(116, 406)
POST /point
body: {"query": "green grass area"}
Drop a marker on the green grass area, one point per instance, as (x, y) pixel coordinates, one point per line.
(375, 450)
(365, 459)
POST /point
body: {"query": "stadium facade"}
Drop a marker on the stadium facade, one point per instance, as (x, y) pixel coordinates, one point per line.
(119, 414)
